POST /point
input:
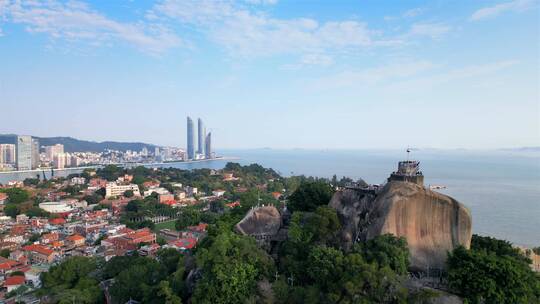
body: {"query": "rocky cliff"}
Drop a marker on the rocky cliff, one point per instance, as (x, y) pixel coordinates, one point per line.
(261, 221)
(432, 223)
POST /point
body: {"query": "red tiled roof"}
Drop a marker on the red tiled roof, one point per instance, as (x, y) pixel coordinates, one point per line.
(170, 203)
(14, 281)
(57, 221)
(75, 237)
(8, 264)
(201, 227)
(233, 204)
(39, 249)
(186, 243)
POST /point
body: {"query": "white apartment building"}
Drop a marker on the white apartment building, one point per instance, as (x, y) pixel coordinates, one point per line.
(113, 189)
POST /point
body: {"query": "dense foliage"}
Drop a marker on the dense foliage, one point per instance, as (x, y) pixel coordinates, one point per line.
(232, 266)
(492, 272)
(16, 195)
(73, 281)
(310, 195)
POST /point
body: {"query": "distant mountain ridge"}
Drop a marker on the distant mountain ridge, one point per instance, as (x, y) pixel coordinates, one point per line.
(76, 145)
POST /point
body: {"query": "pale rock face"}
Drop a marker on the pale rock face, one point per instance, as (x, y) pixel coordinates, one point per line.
(432, 223)
(261, 221)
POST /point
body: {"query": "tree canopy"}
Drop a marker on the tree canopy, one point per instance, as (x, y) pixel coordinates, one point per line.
(73, 280)
(310, 195)
(483, 276)
(16, 195)
(232, 265)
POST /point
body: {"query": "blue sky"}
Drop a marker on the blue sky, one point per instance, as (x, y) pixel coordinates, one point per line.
(274, 73)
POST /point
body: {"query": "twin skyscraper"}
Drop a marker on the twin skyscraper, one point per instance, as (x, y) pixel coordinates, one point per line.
(204, 141)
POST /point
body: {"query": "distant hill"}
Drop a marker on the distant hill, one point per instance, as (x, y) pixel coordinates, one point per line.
(75, 145)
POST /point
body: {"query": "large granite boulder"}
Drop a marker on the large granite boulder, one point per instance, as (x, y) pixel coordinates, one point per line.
(261, 221)
(432, 223)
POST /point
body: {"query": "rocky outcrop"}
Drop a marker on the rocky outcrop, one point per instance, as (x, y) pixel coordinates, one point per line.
(432, 223)
(260, 222)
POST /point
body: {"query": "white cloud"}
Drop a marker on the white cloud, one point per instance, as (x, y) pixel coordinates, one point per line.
(246, 32)
(493, 11)
(410, 13)
(415, 75)
(75, 21)
(473, 72)
(413, 12)
(373, 76)
(317, 59)
(432, 30)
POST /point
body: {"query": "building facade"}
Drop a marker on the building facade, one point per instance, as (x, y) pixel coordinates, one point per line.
(7, 153)
(24, 152)
(113, 190)
(190, 139)
(208, 146)
(51, 151)
(201, 135)
(35, 153)
(59, 160)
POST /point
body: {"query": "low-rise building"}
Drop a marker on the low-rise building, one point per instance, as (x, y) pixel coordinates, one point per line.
(130, 240)
(78, 180)
(218, 193)
(114, 190)
(39, 254)
(76, 240)
(14, 282)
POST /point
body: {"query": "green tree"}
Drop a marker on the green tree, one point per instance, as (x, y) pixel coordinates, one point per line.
(484, 277)
(36, 212)
(73, 280)
(170, 258)
(188, 217)
(166, 294)
(93, 199)
(496, 246)
(231, 265)
(310, 195)
(138, 281)
(16, 195)
(110, 172)
(11, 210)
(319, 226)
(31, 181)
(128, 193)
(386, 250)
(5, 253)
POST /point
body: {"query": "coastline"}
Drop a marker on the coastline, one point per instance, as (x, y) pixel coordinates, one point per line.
(7, 176)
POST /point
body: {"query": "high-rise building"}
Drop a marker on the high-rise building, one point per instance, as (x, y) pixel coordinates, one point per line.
(35, 153)
(7, 153)
(201, 136)
(24, 152)
(51, 151)
(208, 146)
(190, 139)
(59, 161)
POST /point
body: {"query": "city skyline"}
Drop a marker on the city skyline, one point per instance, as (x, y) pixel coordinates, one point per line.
(346, 75)
(204, 140)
